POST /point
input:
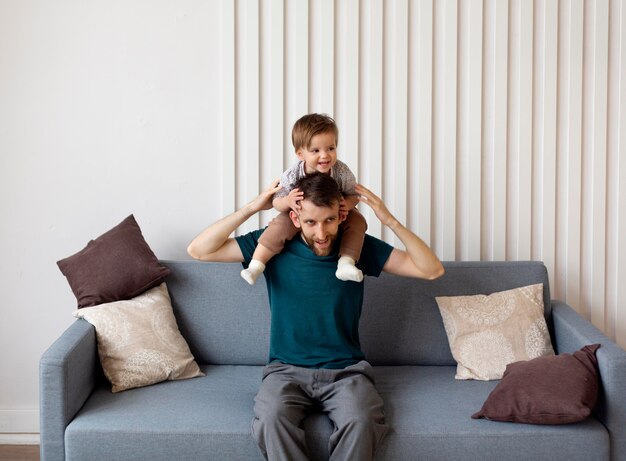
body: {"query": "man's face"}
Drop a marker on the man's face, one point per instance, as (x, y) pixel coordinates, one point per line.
(319, 226)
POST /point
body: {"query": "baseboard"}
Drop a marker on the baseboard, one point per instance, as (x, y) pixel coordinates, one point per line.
(19, 423)
(19, 439)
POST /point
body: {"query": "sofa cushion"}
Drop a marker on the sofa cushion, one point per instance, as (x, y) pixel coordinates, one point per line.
(427, 410)
(202, 418)
(487, 332)
(560, 389)
(117, 265)
(138, 341)
(228, 323)
(429, 414)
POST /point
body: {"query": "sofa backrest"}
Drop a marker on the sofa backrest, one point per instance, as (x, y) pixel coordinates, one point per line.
(226, 321)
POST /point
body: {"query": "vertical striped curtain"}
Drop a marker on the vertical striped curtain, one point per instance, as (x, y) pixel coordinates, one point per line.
(494, 129)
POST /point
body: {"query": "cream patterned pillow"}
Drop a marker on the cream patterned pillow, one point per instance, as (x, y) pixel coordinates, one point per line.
(486, 333)
(139, 342)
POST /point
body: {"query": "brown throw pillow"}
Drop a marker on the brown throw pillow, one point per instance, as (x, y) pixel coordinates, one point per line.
(558, 389)
(117, 265)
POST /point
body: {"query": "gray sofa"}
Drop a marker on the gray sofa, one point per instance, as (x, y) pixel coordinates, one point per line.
(225, 322)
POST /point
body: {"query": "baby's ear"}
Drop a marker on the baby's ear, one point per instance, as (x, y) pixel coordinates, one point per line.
(295, 219)
(299, 154)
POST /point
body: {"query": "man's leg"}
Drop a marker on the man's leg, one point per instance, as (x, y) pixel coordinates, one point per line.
(356, 409)
(280, 406)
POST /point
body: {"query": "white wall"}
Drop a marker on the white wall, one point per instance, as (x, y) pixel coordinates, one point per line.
(106, 109)
(494, 129)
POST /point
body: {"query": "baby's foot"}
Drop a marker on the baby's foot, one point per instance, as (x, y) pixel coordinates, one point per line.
(347, 271)
(255, 268)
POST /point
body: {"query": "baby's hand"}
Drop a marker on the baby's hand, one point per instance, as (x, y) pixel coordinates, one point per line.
(343, 210)
(294, 197)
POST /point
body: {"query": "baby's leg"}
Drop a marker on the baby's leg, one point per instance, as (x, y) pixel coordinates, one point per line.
(272, 241)
(354, 228)
(261, 256)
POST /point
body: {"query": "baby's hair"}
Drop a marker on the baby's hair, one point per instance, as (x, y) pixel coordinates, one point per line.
(320, 189)
(310, 125)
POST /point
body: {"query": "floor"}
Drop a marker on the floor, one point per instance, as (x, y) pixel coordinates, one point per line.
(19, 452)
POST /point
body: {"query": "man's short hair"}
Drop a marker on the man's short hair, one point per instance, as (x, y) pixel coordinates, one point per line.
(320, 189)
(310, 125)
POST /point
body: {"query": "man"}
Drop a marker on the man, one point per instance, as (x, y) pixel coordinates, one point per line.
(315, 359)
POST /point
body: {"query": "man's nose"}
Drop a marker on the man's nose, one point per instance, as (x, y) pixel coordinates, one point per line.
(321, 232)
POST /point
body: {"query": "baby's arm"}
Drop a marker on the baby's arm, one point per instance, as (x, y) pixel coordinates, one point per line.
(348, 203)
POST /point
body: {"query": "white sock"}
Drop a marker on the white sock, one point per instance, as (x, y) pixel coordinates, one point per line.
(347, 271)
(255, 268)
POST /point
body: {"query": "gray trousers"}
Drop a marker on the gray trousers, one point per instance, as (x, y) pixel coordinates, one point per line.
(347, 396)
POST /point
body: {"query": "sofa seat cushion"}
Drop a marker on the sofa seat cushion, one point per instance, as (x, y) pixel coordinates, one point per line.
(430, 417)
(202, 418)
(429, 413)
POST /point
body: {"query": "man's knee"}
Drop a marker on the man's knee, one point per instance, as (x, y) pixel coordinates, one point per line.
(278, 404)
(362, 419)
(278, 435)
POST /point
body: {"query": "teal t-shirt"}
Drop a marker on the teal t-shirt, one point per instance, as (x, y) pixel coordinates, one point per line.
(315, 316)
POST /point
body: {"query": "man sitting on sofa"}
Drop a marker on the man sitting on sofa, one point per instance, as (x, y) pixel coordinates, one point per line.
(315, 360)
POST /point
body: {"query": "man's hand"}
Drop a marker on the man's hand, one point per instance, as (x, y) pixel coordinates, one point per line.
(377, 205)
(263, 201)
(418, 260)
(214, 243)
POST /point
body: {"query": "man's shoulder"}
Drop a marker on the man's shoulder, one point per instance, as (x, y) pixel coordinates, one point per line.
(374, 255)
(248, 243)
(375, 242)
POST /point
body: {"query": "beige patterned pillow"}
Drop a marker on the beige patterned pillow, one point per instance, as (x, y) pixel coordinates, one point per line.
(486, 333)
(139, 342)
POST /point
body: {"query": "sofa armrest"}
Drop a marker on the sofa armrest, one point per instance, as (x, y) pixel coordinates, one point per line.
(571, 332)
(68, 372)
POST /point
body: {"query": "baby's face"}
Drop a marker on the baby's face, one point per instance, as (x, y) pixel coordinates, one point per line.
(321, 154)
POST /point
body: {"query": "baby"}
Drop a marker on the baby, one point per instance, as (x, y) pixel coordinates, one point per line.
(314, 138)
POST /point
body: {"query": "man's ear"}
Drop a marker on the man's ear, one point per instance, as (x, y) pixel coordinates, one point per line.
(294, 219)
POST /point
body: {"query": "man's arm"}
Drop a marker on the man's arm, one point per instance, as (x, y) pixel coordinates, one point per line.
(215, 244)
(418, 260)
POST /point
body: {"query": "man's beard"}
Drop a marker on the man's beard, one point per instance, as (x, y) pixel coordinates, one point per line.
(320, 251)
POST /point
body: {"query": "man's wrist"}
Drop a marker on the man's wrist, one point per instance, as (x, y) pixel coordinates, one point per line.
(246, 212)
(393, 224)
